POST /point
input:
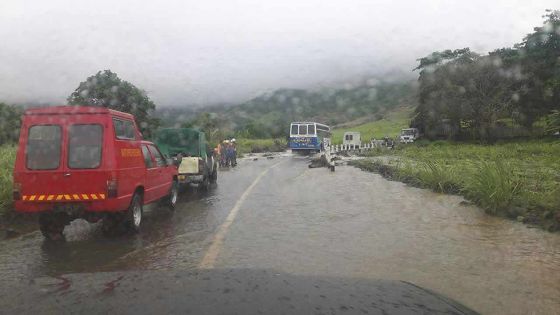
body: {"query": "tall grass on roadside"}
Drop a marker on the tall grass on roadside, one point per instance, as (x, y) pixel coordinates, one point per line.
(7, 158)
(494, 186)
(438, 177)
(512, 178)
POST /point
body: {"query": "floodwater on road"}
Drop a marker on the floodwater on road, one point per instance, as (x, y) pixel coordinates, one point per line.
(305, 221)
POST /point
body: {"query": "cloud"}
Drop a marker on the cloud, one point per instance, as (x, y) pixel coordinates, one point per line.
(203, 52)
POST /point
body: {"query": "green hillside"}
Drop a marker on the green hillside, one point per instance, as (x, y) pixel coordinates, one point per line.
(269, 115)
(390, 126)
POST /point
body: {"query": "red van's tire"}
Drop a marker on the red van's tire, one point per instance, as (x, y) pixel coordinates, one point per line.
(134, 213)
(171, 200)
(52, 225)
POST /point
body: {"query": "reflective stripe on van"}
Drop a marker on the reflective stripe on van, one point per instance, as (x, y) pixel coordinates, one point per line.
(63, 197)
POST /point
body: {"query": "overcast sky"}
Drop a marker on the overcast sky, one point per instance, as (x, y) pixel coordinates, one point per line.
(203, 51)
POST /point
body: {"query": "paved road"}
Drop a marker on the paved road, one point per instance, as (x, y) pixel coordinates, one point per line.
(276, 214)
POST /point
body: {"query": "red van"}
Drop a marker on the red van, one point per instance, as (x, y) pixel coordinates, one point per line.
(91, 163)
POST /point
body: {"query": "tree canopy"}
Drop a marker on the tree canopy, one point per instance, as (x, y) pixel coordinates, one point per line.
(106, 89)
(464, 94)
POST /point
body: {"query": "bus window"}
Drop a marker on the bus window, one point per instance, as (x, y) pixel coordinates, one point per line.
(302, 129)
(294, 129)
(311, 129)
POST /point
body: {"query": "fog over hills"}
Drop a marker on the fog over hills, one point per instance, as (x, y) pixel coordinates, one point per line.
(198, 53)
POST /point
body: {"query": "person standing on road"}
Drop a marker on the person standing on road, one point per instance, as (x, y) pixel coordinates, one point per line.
(218, 152)
(233, 152)
(229, 154)
(224, 158)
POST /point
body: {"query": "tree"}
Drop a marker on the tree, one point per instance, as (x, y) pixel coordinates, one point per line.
(540, 64)
(553, 122)
(211, 124)
(442, 89)
(106, 89)
(462, 91)
(10, 121)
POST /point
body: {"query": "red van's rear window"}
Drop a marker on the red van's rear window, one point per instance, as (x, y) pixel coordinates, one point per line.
(43, 147)
(84, 146)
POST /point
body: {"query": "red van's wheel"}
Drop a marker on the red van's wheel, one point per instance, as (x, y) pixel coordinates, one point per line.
(171, 200)
(52, 225)
(134, 213)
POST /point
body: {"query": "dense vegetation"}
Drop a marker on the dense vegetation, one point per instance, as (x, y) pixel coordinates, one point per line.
(106, 89)
(7, 157)
(466, 95)
(517, 179)
(9, 123)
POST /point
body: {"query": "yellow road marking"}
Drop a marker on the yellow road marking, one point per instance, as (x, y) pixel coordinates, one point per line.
(218, 241)
(76, 197)
(67, 197)
(32, 198)
(59, 197)
(93, 196)
(85, 197)
(102, 196)
(50, 197)
(41, 197)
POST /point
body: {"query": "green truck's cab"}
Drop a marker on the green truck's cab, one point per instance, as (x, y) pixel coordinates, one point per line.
(189, 148)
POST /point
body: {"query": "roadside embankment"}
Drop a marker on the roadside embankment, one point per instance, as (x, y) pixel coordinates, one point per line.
(519, 180)
(11, 224)
(7, 157)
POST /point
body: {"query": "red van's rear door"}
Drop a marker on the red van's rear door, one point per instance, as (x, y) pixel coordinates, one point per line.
(64, 158)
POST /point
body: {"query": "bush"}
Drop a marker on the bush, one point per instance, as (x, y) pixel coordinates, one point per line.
(495, 186)
(436, 176)
(7, 158)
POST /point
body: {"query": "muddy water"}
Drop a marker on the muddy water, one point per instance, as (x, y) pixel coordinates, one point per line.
(313, 222)
(356, 224)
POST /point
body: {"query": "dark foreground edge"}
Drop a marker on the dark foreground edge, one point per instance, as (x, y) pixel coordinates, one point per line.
(236, 291)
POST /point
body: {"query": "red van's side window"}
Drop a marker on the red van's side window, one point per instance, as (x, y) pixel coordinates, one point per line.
(124, 129)
(147, 157)
(84, 146)
(160, 160)
(43, 147)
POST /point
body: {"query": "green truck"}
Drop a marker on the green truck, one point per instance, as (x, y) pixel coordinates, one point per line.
(190, 151)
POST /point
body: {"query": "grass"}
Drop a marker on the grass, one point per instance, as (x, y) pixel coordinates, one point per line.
(389, 126)
(520, 178)
(494, 186)
(7, 158)
(245, 146)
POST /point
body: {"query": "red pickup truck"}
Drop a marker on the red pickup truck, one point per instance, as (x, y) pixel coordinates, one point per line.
(91, 163)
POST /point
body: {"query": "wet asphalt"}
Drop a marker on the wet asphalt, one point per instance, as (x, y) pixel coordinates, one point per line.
(297, 223)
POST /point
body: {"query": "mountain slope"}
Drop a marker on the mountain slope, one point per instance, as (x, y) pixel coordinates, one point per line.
(269, 115)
